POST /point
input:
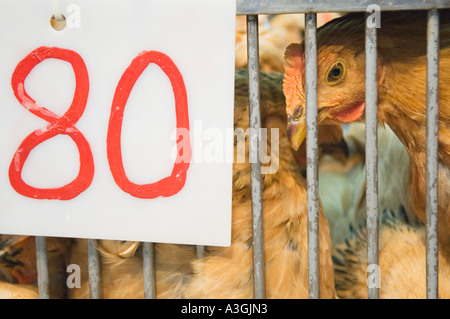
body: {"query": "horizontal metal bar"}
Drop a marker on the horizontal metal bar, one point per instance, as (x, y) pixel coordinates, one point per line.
(256, 179)
(292, 6)
(312, 154)
(432, 152)
(372, 162)
(42, 267)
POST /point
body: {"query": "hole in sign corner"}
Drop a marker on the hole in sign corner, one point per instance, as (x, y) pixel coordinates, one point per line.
(58, 24)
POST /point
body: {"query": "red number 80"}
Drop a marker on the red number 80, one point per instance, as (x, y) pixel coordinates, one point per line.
(65, 125)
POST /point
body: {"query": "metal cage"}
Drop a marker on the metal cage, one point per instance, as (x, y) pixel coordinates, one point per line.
(253, 8)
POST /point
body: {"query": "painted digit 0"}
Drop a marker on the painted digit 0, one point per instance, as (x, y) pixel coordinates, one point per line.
(57, 125)
(172, 184)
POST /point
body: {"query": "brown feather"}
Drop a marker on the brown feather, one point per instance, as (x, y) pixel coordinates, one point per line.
(401, 261)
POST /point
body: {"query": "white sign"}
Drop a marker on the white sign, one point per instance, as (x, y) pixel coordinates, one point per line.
(100, 121)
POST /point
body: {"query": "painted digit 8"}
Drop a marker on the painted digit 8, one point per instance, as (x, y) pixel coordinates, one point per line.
(57, 125)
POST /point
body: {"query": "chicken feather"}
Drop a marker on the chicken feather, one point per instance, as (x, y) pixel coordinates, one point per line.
(402, 267)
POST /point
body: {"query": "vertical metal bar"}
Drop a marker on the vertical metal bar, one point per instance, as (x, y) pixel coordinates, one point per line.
(256, 180)
(94, 269)
(149, 270)
(372, 162)
(42, 267)
(200, 250)
(312, 153)
(432, 152)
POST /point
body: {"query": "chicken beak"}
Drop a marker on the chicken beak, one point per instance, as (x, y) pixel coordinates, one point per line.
(296, 130)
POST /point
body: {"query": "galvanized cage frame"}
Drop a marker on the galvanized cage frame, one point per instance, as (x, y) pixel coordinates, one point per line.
(253, 8)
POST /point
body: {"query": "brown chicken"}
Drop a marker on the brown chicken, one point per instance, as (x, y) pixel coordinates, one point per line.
(401, 237)
(227, 272)
(18, 270)
(401, 91)
(402, 266)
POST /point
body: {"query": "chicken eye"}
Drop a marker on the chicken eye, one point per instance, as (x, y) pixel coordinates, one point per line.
(336, 73)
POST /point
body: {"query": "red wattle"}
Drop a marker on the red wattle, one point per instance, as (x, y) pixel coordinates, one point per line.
(351, 113)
